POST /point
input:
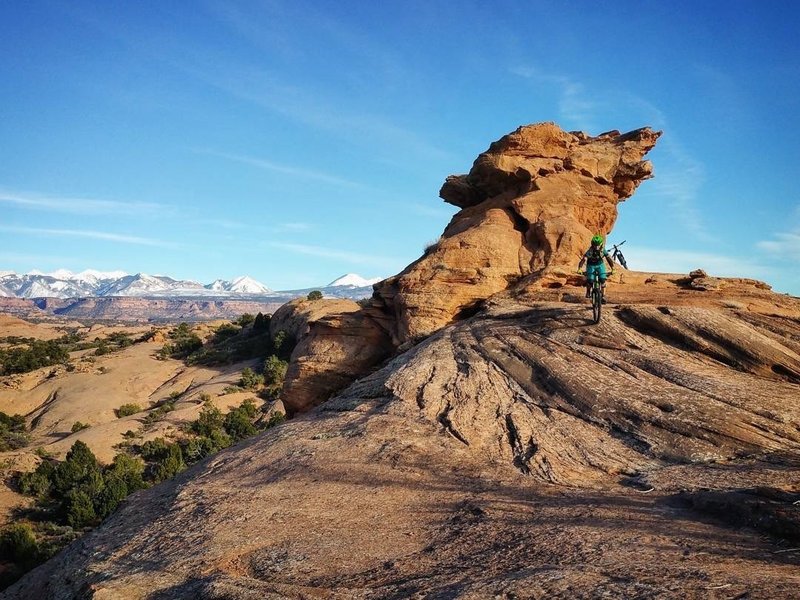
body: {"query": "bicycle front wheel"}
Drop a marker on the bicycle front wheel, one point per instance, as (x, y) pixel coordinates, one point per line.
(597, 303)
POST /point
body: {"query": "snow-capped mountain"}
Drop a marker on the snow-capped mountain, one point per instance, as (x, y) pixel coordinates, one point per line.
(90, 283)
(148, 285)
(240, 285)
(353, 280)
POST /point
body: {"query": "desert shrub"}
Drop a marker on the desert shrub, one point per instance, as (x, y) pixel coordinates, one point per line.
(36, 483)
(282, 345)
(210, 419)
(314, 295)
(18, 543)
(364, 302)
(79, 509)
(170, 465)
(238, 423)
(13, 434)
(274, 371)
(181, 330)
(79, 467)
(102, 348)
(158, 413)
(109, 498)
(225, 331)
(245, 320)
(166, 351)
(37, 354)
(126, 410)
(431, 246)
(250, 379)
(78, 426)
(275, 419)
(186, 345)
(153, 450)
(261, 322)
(129, 470)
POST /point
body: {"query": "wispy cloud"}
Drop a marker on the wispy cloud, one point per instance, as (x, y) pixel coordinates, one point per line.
(284, 169)
(83, 206)
(679, 179)
(355, 258)
(82, 233)
(785, 244)
(307, 103)
(292, 227)
(575, 105)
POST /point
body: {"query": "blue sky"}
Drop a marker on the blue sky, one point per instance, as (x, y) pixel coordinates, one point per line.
(295, 141)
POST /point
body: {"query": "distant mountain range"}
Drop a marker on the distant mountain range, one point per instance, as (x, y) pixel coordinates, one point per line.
(98, 284)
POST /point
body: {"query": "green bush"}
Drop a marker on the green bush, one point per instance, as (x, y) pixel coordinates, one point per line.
(250, 379)
(282, 345)
(261, 322)
(170, 465)
(80, 466)
(274, 371)
(37, 354)
(153, 450)
(78, 426)
(13, 434)
(275, 419)
(245, 320)
(210, 419)
(79, 509)
(126, 410)
(238, 422)
(36, 483)
(314, 295)
(225, 331)
(18, 543)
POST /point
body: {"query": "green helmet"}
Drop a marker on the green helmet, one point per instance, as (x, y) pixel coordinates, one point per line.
(597, 240)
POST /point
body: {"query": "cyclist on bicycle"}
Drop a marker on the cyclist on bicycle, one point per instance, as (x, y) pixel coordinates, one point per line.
(595, 268)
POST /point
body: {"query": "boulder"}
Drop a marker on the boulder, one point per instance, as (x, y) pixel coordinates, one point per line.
(337, 342)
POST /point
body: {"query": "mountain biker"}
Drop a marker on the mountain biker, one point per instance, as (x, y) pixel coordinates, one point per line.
(593, 258)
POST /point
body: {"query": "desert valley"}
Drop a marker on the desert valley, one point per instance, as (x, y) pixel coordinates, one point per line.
(463, 430)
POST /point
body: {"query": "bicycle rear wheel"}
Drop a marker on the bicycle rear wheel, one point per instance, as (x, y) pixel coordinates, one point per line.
(597, 303)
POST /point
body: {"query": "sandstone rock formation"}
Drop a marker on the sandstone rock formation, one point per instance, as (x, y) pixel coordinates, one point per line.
(337, 342)
(530, 204)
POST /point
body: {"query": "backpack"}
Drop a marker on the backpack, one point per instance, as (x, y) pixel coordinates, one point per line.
(594, 255)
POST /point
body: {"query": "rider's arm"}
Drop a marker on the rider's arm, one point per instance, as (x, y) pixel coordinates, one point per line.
(610, 262)
(580, 264)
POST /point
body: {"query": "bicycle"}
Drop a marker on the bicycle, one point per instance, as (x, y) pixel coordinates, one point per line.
(616, 255)
(597, 297)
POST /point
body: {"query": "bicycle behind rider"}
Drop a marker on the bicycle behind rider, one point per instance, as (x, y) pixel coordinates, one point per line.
(593, 258)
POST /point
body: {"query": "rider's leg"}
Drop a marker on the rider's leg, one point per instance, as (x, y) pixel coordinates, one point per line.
(602, 274)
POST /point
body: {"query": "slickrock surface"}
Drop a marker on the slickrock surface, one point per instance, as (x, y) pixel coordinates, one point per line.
(521, 453)
(531, 203)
